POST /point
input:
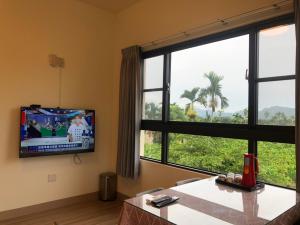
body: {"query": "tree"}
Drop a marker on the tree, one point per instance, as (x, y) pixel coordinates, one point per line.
(279, 118)
(266, 115)
(177, 113)
(245, 114)
(152, 111)
(214, 92)
(192, 97)
(238, 118)
(202, 97)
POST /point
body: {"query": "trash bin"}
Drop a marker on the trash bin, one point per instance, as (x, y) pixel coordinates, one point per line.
(108, 186)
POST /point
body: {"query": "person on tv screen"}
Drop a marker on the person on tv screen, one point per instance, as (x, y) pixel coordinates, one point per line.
(76, 129)
(34, 129)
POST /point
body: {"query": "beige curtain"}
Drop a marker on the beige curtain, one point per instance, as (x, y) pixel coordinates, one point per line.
(130, 105)
(297, 138)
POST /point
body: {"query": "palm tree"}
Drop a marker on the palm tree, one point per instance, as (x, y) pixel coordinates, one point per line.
(202, 97)
(192, 97)
(152, 111)
(214, 92)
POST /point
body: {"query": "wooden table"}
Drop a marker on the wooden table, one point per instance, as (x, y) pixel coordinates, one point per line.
(205, 202)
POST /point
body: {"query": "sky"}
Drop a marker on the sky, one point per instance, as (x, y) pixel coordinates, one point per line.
(230, 59)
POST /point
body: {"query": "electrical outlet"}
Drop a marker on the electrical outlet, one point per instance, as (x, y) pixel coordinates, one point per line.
(51, 178)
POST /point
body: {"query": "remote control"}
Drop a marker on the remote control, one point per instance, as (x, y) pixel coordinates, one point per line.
(164, 198)
(166, 202)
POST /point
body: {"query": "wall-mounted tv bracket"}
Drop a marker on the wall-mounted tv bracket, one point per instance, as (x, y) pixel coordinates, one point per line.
(35, 106)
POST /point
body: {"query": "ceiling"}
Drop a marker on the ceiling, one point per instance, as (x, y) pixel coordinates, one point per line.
(111, 5)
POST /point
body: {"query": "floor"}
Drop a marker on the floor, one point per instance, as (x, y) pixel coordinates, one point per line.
(85, 213)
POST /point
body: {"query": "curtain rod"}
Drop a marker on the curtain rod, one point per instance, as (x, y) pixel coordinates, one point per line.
(224, 21)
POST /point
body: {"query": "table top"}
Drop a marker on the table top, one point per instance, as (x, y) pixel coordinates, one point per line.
(213, 203)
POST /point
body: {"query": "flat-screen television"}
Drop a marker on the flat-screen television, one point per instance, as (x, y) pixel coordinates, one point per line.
(55, 131)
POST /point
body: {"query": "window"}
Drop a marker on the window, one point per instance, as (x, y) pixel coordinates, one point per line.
(150, 144)
(277, 46)
(152, 105)
(203, 82)
(153, 70)
(210, 100)
(276, 103)
(153, 86)
(276, 75)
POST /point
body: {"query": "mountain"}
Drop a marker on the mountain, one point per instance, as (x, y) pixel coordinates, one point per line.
(202, 113)
(270, 111)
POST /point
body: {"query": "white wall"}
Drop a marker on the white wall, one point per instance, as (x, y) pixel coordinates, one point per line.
(83, 35)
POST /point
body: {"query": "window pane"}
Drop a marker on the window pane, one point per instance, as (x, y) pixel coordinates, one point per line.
(150, 144)
(152, 105)
(153, 72)
(209, 153)
(276, 103)
(277, 163)
(277, 51)
(208, 82)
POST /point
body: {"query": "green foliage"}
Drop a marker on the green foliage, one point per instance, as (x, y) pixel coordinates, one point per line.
(276, 160)
(153, 151)
(277, 163)
(240, 118)
(152, 111)
(210, 153)
(278, 118)
(177, 113)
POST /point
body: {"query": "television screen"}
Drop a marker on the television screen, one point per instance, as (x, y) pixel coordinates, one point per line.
(52, 131)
